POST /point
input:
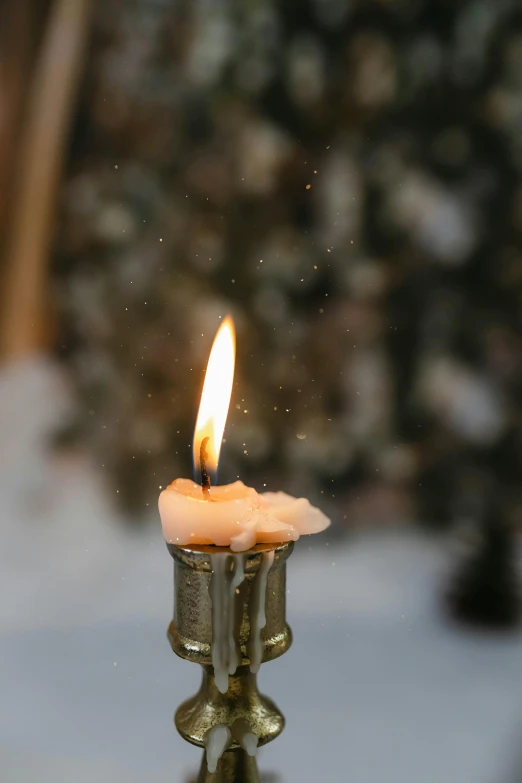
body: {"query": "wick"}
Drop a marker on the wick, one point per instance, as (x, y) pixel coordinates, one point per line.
(205, 478)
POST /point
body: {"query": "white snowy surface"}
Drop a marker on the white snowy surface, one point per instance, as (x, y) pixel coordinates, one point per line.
(378, 687)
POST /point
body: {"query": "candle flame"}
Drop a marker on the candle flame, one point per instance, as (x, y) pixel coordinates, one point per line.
(215, 397)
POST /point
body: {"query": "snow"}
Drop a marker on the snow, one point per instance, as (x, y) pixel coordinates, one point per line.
(377, 687)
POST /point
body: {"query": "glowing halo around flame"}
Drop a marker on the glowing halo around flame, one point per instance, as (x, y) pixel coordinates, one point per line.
(215, 397)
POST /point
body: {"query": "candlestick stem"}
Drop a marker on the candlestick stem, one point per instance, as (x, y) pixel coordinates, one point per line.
(235, 766)
(242, 701)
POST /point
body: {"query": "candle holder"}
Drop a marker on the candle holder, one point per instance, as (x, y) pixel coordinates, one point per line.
(241, 714)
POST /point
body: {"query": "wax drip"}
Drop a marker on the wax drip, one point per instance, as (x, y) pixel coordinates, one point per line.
(205, 478)
(223, 585)
(244, 736)
(234, 648)
(216, 742)
(256, 611)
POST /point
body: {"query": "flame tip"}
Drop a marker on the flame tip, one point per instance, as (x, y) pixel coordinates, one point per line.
(215, 397)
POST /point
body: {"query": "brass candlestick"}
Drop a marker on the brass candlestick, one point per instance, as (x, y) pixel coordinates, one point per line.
(190, 635)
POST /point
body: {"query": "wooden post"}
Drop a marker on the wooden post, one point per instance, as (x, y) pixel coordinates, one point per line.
(41, 153)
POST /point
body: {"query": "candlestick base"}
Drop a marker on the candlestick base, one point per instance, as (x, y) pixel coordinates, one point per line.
(242, 710)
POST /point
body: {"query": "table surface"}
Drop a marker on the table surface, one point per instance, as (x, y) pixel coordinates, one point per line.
(378, 686)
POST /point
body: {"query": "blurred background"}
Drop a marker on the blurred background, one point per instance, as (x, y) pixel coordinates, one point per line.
(344, 177)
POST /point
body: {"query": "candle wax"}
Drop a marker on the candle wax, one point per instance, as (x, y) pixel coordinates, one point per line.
(234, 515)
(216, 742)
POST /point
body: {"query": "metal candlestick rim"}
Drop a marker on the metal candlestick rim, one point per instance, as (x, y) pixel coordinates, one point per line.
(197, 556)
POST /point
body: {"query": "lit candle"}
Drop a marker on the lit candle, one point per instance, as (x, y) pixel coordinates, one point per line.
(232, 515)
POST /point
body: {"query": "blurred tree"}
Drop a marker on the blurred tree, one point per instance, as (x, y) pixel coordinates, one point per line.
(343, 177)
(485, 588)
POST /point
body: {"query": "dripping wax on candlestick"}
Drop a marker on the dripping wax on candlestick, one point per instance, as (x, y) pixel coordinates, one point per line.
(232, 721)
(216, 742)
(205, 478)
(228, 574)
(257, 612)
(225, 649)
